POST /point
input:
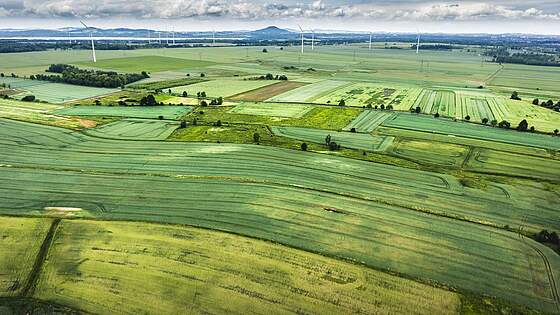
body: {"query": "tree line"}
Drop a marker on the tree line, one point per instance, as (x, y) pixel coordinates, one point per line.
(73, 75)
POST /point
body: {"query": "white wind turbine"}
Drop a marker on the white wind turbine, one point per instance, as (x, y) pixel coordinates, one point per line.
(370, 36)
(213, 37)
(92, 43)
(301, 30)
(418, 43)
(312, 39)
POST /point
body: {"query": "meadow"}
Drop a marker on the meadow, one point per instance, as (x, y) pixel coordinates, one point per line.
(308, 93)
(135, 129)
(223, 88)
(272, 109)
(148, 112)
(146, 63)
(368, 121)
(39, 113)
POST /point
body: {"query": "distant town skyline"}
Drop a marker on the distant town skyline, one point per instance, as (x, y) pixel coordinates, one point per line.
(534, 17)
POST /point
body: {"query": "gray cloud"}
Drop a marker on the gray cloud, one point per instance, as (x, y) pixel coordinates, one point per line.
(410, 10)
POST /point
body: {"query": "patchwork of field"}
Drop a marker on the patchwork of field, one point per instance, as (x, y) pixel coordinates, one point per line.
(444, 154)
(267, 92)
(272, 109)
(360, 94)
(376, 214)
(20, 242)
(309, 93)
(135, 129)
(54, 92)
(149, 112)
(146, 63)
(345, 139)
(223, 87)
(39, 113)
(448, 127)
(93, 261)
(368, 121)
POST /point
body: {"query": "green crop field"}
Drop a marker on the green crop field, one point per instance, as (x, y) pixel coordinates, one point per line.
(444, 154)
(272, 109)
(146, 63)
(345, 139)
(20, 241)
(268, 91)
(54, 92)
(368, 121)
(258, 200)
(360, 94)
(448, 127)
(309, 92)
(223, 88)
(150, 112)
(135, 129)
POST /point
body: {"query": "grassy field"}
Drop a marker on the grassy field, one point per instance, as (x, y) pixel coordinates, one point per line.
(54, 92)
(272, 109)
(267, 92)
(345, 139)
(151, 112)
(223, 88)
(442, 154)
(146, 63)
(135, 129)
(20, 241)
(448, 127)
(368, 121)
(95, 266)
(360, 94)
(309, 92)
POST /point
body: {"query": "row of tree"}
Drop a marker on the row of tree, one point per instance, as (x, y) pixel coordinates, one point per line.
(269, 76)
(73, 75)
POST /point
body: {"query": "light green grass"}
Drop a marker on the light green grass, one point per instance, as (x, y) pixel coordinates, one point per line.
(170, 269)
(461, 129)
(223, 88)
(36, 113)
(368, 121)
(146, 63)
(425, 152)
(345, 139)
(135, 129)
(272, 109)
(150, 112)
(360, 94)
(20, 241)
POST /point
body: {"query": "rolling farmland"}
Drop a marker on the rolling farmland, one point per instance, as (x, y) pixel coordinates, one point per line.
(272, 109)
(308, 93)
(359, 94)
(266, 92)
(223, 88)
(135, 129)
(148, 112)
(368, 121)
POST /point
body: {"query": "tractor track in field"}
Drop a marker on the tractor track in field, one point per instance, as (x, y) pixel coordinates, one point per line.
(468, 157)
(549, 273)
(29, 287)
(493, 75)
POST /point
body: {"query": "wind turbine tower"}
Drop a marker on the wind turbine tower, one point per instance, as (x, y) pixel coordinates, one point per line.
(312, 39)
(418, 43)
(213, 37)
(370, 35)
(92, 43)
(301, 30)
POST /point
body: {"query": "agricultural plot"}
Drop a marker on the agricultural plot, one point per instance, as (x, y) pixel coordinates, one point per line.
(135, 129)
(345, 139)
(461, 129)
(308, 93)
(147, 63)
(272, 109)
(267, 92)
(496, 162)
(55, 92)
(20, 242)
(39, 113)
(223, 87)
(441, 101)
(359, 94)
(148, 112)
(204, 268)
(368, 121)
(238, 188)
(424, 152)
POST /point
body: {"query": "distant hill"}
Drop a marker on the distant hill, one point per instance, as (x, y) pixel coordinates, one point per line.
(272, 30)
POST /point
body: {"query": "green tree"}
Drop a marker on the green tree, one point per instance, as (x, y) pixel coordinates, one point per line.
(467, 118)
(436, 115)
(536, 101)
(304, 146)
(418, 110)
(328, 139)
(523, 125)
(185, 94)
(256, 137)
(494, 122)
(341, 103)
(485, 120)
(515, 96)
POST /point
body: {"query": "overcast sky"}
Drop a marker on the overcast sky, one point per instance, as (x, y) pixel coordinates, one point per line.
(502, 16)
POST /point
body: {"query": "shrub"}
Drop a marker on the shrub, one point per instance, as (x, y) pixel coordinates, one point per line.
(304, 146)
(28, 98)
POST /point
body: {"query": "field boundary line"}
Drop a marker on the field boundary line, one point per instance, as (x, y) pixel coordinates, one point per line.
(29, 288)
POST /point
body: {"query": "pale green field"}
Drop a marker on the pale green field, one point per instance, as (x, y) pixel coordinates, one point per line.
(95, 266)
(272, 109)
(308, 93)
(36, 113)
(135, 129)
(147, 63)
(149, 112)
(345, 139)
(368, 121)
(20, 241)
(54, 92)
(223, 88)
(360, 94)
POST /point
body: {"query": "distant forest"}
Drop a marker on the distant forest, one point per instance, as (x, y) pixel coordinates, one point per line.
(502, 55)
(73, 75)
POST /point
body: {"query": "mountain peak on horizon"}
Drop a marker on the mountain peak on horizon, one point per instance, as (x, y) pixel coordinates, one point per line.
(272, 30)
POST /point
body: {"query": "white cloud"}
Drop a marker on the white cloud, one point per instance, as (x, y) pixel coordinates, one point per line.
(258, 9)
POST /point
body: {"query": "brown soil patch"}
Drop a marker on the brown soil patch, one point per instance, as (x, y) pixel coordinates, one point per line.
(266, 92)
(88, 123)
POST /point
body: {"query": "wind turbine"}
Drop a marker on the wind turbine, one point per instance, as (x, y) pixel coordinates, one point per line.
(92, 43)
(312, 39)
(213, 37)
(370, 35)
(418, 43)
(301, 30)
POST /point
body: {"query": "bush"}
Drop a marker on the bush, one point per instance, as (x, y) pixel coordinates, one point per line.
(304, 146)
(485, 120)
(160, 117)
(183, 124)
(467, 118)
(353, 130)
(28, 98)
(203, 104)
(436, 115)
(256, 137)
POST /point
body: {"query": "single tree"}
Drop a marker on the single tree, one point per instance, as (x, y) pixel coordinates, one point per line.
(219, 123)
(202, 75)
(203, 104)
(536, 101)
(485, 120)
(28, 98)
(341, 103)
(494, 122)
(304, 146)
(256, 137)
(515, 96)
(185, 94)
(556, 132)
(264, 50)
(532, 129)
(436, 115)
(168, 91)
(523, 125)
(382, 106)
(467, 118)
(183, 124)
(418, 110)
(328, 139)
(353, 130)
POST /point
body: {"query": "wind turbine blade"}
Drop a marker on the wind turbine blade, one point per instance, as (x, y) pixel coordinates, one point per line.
(301, 29)
(84, 24)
